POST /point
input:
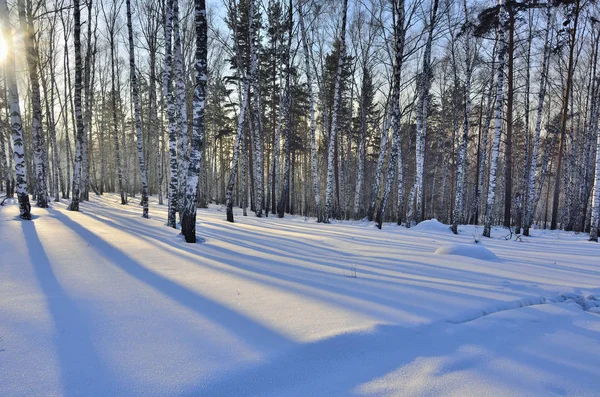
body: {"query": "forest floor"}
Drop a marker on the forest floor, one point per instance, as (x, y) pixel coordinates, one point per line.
(105, 303)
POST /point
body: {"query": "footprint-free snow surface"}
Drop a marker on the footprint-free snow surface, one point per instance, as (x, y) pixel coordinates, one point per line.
(105, 303)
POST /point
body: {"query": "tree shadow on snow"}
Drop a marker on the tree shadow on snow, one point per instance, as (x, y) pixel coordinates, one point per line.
(81, 368)
(246, 329)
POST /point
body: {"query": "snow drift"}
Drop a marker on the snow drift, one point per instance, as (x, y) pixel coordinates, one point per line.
(432, 225)
(469, 250)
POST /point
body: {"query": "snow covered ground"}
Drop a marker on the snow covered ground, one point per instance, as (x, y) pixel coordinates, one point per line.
(105, 303)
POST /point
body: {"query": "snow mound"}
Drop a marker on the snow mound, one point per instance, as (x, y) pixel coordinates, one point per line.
(432, 225)
(469, 250)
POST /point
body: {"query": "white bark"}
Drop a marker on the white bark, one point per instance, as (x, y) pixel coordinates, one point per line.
(334, 121)
(39, 144)
(136, 113)
(313, 124)
(400, 32)
(538, 126)
(498, 127)
(74, 206)
(15, 115)
(458, 215)
(181, 110)
(170, 105)
(188, 222)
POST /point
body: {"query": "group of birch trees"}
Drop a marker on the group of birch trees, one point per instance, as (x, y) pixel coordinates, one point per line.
(470, 111)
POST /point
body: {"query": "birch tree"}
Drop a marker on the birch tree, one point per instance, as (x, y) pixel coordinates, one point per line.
(416, 195)
(136, 112)
(74, 206)
(491, 196)
(400, 37)
(15, 115)
(188, 218)
(336, 111)
(39, 143)
(244, 99)
(181, 110)
(462, 152)
(538, 124)
(170, 105)
(313, 124)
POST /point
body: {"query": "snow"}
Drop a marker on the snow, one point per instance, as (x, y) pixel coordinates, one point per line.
(475, 251)
(432, 225)
(103, 302)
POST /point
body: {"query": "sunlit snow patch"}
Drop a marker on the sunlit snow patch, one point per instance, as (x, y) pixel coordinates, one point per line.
(469, 250)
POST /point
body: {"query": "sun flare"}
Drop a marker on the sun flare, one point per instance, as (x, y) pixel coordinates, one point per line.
(3, 48)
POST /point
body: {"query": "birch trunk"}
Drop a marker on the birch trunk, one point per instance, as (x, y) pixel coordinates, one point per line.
(360, 172)
(136, 113)
(285, 188)
(491, 197)
(334, 120)
(74, 206)
(400, 33)
(188, 219)
(538, 126)
(313, 124)
(170, 105)
(257, 133)
(462, 152)
(39, 144)
(380, 160)
(181, 108)
(15, 116)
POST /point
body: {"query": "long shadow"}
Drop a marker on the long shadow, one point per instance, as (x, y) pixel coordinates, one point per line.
(247, 330)
(405, 266)
(348, 296)
(81, 368)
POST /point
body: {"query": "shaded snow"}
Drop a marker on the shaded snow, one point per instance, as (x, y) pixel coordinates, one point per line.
(475, 251)
(104, 302)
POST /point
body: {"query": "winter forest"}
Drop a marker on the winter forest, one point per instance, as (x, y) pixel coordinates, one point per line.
(308, 144)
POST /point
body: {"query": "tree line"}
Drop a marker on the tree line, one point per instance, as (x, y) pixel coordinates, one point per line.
(468, 111)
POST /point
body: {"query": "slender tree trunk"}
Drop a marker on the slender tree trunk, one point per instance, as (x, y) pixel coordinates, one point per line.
(188, 219)
(400, 35)
(313, 125)
(170, 105)
(136, 113)
(285, 188)
(491, 197)
(181, 107)
(538, 126)
(565, 116)
(15, 115)
(74, 206)
(508, 188)
(334, 122)
(39, 144)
